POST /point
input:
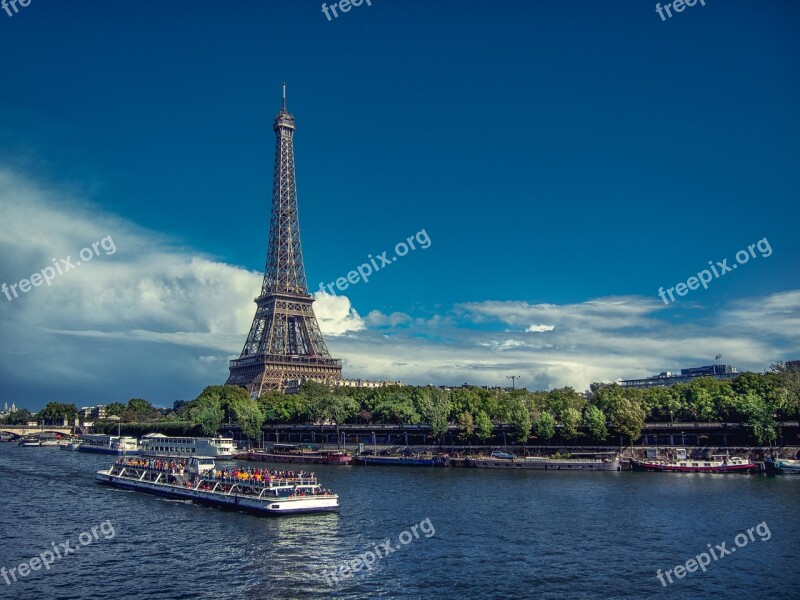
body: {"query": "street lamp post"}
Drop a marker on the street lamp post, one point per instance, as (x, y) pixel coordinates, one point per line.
(513, 379)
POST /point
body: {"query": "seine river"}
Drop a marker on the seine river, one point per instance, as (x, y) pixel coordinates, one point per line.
(479, 534)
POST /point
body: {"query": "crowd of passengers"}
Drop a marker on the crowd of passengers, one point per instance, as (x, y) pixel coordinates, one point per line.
(250, 475)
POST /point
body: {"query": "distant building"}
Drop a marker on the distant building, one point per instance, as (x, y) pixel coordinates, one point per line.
(293, 385)
(668, 378)
(96, 412)
(7, 411)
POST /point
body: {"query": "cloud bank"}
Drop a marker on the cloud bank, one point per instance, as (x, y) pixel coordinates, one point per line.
(160, 321)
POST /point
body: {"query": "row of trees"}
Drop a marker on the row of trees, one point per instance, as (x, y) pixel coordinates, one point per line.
(759, 400)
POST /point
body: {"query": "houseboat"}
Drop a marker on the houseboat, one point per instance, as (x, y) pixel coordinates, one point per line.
(292, 453)
(198, 480)
(572, 462)
(715, 464)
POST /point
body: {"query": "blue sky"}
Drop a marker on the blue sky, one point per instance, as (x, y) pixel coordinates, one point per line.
(566, 160)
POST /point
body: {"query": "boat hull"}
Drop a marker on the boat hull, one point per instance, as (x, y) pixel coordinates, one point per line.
(544, 465)
(780, 466)
(400, 461)
(267, 506)
(307, 459)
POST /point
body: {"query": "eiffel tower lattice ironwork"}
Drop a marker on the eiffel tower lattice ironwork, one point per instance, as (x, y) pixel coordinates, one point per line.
(284, 341)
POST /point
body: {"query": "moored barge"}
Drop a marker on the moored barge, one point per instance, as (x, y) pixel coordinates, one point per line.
(500, 460)
(291, 453)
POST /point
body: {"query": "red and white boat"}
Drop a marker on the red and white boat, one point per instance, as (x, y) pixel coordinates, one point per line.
(716, 464)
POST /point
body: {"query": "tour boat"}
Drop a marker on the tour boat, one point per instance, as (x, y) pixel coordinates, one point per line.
(291, 453)
(716, 464)
(30, 442)
(109, 444)
(158, 444)
(543, 463)
(198, 480)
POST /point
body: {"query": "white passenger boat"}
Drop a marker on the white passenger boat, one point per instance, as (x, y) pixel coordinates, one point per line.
(158, 444)
(109, 444)
(198, 480)
(30, 442)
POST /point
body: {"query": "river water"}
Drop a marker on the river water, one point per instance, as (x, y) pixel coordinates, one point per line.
(479, 534)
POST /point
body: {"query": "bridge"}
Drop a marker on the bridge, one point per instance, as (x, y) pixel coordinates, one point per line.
(26, 431)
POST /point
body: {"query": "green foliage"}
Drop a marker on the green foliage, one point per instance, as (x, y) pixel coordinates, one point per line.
(282, 408)
(249, 416)
(520, 420)
(395, 406)
(334, 408)
(545, 426)
(627, 417)
(18, 417)
(433, 405)
(54, 413)
(467, 425)
(571, 420)
(483, 426)
(595, 422)
(115, 409)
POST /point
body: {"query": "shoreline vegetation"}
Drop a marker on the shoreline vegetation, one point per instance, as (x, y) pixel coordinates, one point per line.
(606, 413)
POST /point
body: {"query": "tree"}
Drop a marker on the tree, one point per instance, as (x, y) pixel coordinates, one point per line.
(545, 426)
(628, 418)
(595, 422)
(788, 380)
(249, 416)
(282, 408)
(483, 426)
(467, 425)
(520, 420)
(19, 417)
(338, 409)
(571, 420)
(759, 416)
(139, 411)
(115, 409)
(209, 415)
(55, 412)
(395, 406)
(433, 406)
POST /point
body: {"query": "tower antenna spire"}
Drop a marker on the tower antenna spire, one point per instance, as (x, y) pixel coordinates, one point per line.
(284, 96)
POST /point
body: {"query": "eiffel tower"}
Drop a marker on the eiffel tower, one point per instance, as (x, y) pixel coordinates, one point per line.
(284, 341)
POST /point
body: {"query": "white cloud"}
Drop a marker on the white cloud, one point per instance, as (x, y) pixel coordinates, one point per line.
(540, 328)
(335, 314)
